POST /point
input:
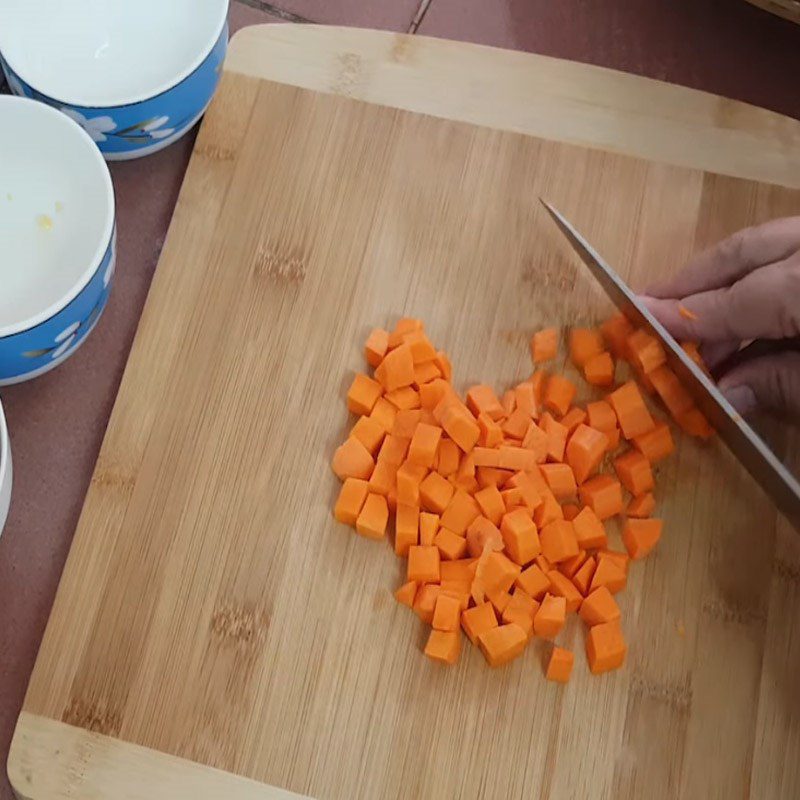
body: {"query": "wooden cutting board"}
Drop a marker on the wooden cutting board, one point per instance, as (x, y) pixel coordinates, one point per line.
(216, 634)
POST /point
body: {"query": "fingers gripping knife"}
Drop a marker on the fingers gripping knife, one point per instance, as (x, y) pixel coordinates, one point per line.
(741, 439)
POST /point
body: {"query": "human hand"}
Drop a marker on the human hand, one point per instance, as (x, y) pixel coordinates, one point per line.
(747, 287)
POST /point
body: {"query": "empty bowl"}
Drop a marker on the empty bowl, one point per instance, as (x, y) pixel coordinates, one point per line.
(5, 471)
(135, 75)
(57, 234)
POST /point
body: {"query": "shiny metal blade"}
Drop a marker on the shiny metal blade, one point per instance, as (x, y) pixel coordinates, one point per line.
(741, 439)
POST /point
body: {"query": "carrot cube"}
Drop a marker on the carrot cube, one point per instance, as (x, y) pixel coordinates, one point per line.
(559, 394)
(601, 416)
(533, 581)
(428, 527)
(613, 440)
(572, 565)
(397, 369)
(425, 601)
(406, 529)
(424, 444)
(599, 370)
(393, 450)
(409, 477)
(544, 345)
(558, 541)
(477, 620)
(376, 346)
(489, 476)
(603, 495)
(516, 424)
(526, 399)
(422, 350)
(446, 613)
(645, 351)
(536, 441)
(605, 647)
(461, 570)
(599, 607)
(615, 332)
(574, 417)
(383, 479)
(491, 504)
(406, 593)
(655, 445)
(556, 437)
(610, 575)
(562, 586)
(352, 497)
(369, 432)
(431, 394)
(465, 476)
(460, 512)
(460, 426)
(451, 545)
(584, 344)
(491, 434)
(641, 536)
(633, 469)
(528, 488)
(516, 459)
(641, 507)
(520, 536)
(435, 492)
(520, 611)
(560, 478)
(671, 391)
(404, 399)
(502, 644)
(570, 511)
(583, 577)
(373, 518)
(549, 511)
(499, 599)
(483, 532)
(443, 646)
(512, 498)
(363, 394)
(620, 559)
(353, 460)
(585, 451)
(448, 457)
(543, 564)
(423, 564)
(629, 406)
(695, 424)
(481, 399)
(425, 373)
(405, 422)
(498, 572)
(559, 667)
(486, 457)
(590, 533)
(550, 617)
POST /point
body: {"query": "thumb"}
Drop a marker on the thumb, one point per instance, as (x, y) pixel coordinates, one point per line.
(771, 382)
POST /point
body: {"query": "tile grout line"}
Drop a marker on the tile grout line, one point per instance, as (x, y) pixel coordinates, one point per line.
(419, 16)
(276, 11)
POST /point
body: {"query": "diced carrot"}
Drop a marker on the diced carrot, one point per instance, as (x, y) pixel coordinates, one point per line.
(461, 570)
(536, 441)
(397, 369)
(422, 350)
(515, 458)
(655, 445)
(603, 494)
(583, 577)
(353, 460)
(477, 620)
(520, 536)
(613, 440)
(424, 444)
(615, 333)
(409, 477)
(406, 593)
(641, 507)
(574, 417)
(425, 373)
(559, 394)
(451, 545)
(646, 351)
(543, 564)
(516, 424)
(599, 370)
(373, 518)
(643, 379)
(363, 394)
(458, 589)
(502, 644)
(481, 399)
(585, 451)
(443, 362)
(571, 565)
(391, 499)
(512, 498)
(676, 399)
(425, 601)
(641, 536)
(461, 426)
(509, 402)
(405, 422)
(406, 529)
(584, 343)
(449, 457)
(634, 470)
(556, 437)
(376, 346)
(491, 434)
(558, 541)
(599, 607)
(351, 500)
(538, 381)
(489, 476)
(435, 493)
(559, 667)
(608, 574)
(369, 432)
(423, 564)
(619, 558)
(605, 647)
(520, 611)
(460, 512)
(481, 533)
(443, 646)
(695, 424)
(431, 394)
(528, 488)
(590, 533)
(404, 399)
(526, 400)
(384, 414)
(491, 503)
(544, 345)
(446, 613)
(561, 479)
(428, 527)
(393, 450)
(601, 416)
(499, 599)
(634, 418)
(534, 582)
(562, 586)
(486, 457)
(550, 617)
(497, 572)
(570, 511)
(548, 511)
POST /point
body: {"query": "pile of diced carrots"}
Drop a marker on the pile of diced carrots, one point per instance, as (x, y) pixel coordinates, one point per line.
(500, 503)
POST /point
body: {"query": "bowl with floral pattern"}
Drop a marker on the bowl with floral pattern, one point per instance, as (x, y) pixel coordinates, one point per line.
(5, 471)
(136, 76)
(58, 237)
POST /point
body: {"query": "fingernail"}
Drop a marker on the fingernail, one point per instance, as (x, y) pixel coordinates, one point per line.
(741, 397)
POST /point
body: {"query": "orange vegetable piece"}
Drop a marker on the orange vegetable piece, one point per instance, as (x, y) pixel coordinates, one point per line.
(583, 577)
(520, 536)
(585, 451)
(516, 458)
(397, 369)
(574, 417)
(499, 599)
(491, 434)
(373, 518)
(646, 351)
(465, 477)
(369, 432)
(405, 423)
(601, 416)
(424, 444)
(431, 394)
(376, 346)
(633, 469)
(671, 391)
(634, 418)
(695, 424)
(613, 440)
(406, 529)
(481, 533)
(599, 370)
(605, 647)
(543, 564)
(544, 345)
(406, 593)
(512, 498)
(443, 646)
(352, 460)
(615, 332)
(422, 350)
(409, 477)
(509, 402)
(657, 444)
(533, 582)
(393, 450)
(570, 511)
(641, 507)
(425, 601)
(404, 326)
(497, 572)
(526, 399)
(584, 344)
(404, 399)
(502, 644)
(383, 478)
(559, 667)
(520, 611)
(491, 504)
(550, 617)
(640, 536)
(561, 480)
(516, 424)
(599, 607)
(590, 532)
(448, 457)
(558, 541)
(446, 613)
(477, 620)
(608, 574)
(549, 510)
(562, 586)
(559, 394)
(445, 367)
(603, 495)
(489, 476)
(556, 437)
(460, 512)
(363, 394)
(462, 570)
(481, 399)
(384, 414)
(528, 488)
(536, 441)
(423, 564)
(451, 545)
(352, 497)
(460, 426)
(428, 527)
(571, 565)
(620, 559)
(486, 457)
(435, 492)
(425, 373)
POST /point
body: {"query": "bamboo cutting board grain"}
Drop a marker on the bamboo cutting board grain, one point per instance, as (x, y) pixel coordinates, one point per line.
(216, 634)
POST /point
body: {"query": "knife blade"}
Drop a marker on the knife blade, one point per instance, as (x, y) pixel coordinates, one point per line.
(745, 444)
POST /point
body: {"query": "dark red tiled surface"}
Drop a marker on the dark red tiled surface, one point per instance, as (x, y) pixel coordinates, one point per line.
(57, 422)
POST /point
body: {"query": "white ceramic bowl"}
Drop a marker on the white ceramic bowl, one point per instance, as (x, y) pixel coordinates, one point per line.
(5, 471)
(56, 235)
(136, 75)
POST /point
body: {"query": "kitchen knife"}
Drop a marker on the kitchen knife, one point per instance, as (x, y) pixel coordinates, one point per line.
(741, 439)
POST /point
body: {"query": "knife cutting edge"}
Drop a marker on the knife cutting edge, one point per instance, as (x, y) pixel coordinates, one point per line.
(748, 447)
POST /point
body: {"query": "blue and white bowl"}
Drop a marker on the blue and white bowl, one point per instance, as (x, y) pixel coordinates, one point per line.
(57, 238)
(135, 75)
(5, 471)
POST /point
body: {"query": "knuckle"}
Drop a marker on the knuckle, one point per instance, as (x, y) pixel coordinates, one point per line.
(789, 300)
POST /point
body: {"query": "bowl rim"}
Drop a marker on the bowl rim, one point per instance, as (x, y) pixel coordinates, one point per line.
(108, 229)
(5, 455)
(223, 9)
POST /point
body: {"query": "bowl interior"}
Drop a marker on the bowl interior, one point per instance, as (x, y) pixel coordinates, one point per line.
(100, 53)
(56, 212)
